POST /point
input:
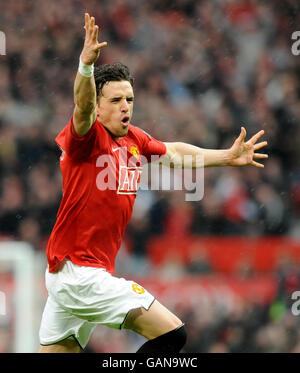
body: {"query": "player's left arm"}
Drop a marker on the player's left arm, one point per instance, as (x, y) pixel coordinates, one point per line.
(241, 153)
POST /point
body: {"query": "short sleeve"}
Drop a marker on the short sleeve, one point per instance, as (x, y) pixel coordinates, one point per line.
(79, 147)
(152, 149)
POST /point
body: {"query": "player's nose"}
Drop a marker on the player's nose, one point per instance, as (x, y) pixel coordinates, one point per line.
(124, 106)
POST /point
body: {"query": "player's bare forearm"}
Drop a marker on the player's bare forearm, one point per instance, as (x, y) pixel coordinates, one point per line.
(190, 156)
(85, 97)
(85, 103)
(240, 154)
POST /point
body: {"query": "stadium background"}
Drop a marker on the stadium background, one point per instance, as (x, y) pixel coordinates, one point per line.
(227, 265)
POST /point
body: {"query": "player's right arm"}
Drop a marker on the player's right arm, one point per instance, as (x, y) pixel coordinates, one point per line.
(85, 97)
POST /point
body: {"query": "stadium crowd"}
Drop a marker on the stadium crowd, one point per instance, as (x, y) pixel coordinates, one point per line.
(202, 70)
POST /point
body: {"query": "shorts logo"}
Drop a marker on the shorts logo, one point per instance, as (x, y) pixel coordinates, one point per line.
(138, 289)
(134, 151)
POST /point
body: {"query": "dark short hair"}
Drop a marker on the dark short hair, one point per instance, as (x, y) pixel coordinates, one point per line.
(111, 73)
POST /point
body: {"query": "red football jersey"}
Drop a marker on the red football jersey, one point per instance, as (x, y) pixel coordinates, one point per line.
(100, 181)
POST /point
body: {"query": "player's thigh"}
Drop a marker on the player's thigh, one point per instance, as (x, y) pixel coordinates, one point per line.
(68, 345)
(152, 323)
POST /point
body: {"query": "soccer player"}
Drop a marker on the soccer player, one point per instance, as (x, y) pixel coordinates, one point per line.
(82, 291)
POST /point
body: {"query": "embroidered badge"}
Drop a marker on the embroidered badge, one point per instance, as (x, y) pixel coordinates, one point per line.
(134, 151)
(138, 289)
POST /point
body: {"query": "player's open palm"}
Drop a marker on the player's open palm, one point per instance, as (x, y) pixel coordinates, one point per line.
(243, 153)
(91, 48)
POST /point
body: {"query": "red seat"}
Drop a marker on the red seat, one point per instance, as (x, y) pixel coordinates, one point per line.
(225, 254)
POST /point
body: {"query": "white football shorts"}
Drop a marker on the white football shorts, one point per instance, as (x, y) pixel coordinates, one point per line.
(80, 298)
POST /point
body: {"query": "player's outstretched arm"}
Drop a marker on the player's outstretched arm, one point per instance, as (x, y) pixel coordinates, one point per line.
(240, 154)
(84, 87)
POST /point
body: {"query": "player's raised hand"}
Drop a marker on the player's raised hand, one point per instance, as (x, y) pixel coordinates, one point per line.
(243, 153)
(91, 49)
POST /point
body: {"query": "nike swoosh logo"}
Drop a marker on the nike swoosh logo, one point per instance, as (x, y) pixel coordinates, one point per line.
(114, 149)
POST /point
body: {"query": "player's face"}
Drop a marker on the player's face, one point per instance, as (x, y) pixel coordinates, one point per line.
(115, 106)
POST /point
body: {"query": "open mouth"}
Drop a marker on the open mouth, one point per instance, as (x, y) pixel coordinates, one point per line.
(125, 120)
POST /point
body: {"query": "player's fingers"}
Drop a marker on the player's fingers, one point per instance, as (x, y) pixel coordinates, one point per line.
(92, 24)
(90, 27)
(101, 45)
(242, 135)
(260, 145)
(260, 156)
(95, 33)
(256, 164)
(87, 21)
(255, 137)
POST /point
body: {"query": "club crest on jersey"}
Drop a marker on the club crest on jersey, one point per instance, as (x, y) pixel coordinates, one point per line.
(134, 151)
(138, 289)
